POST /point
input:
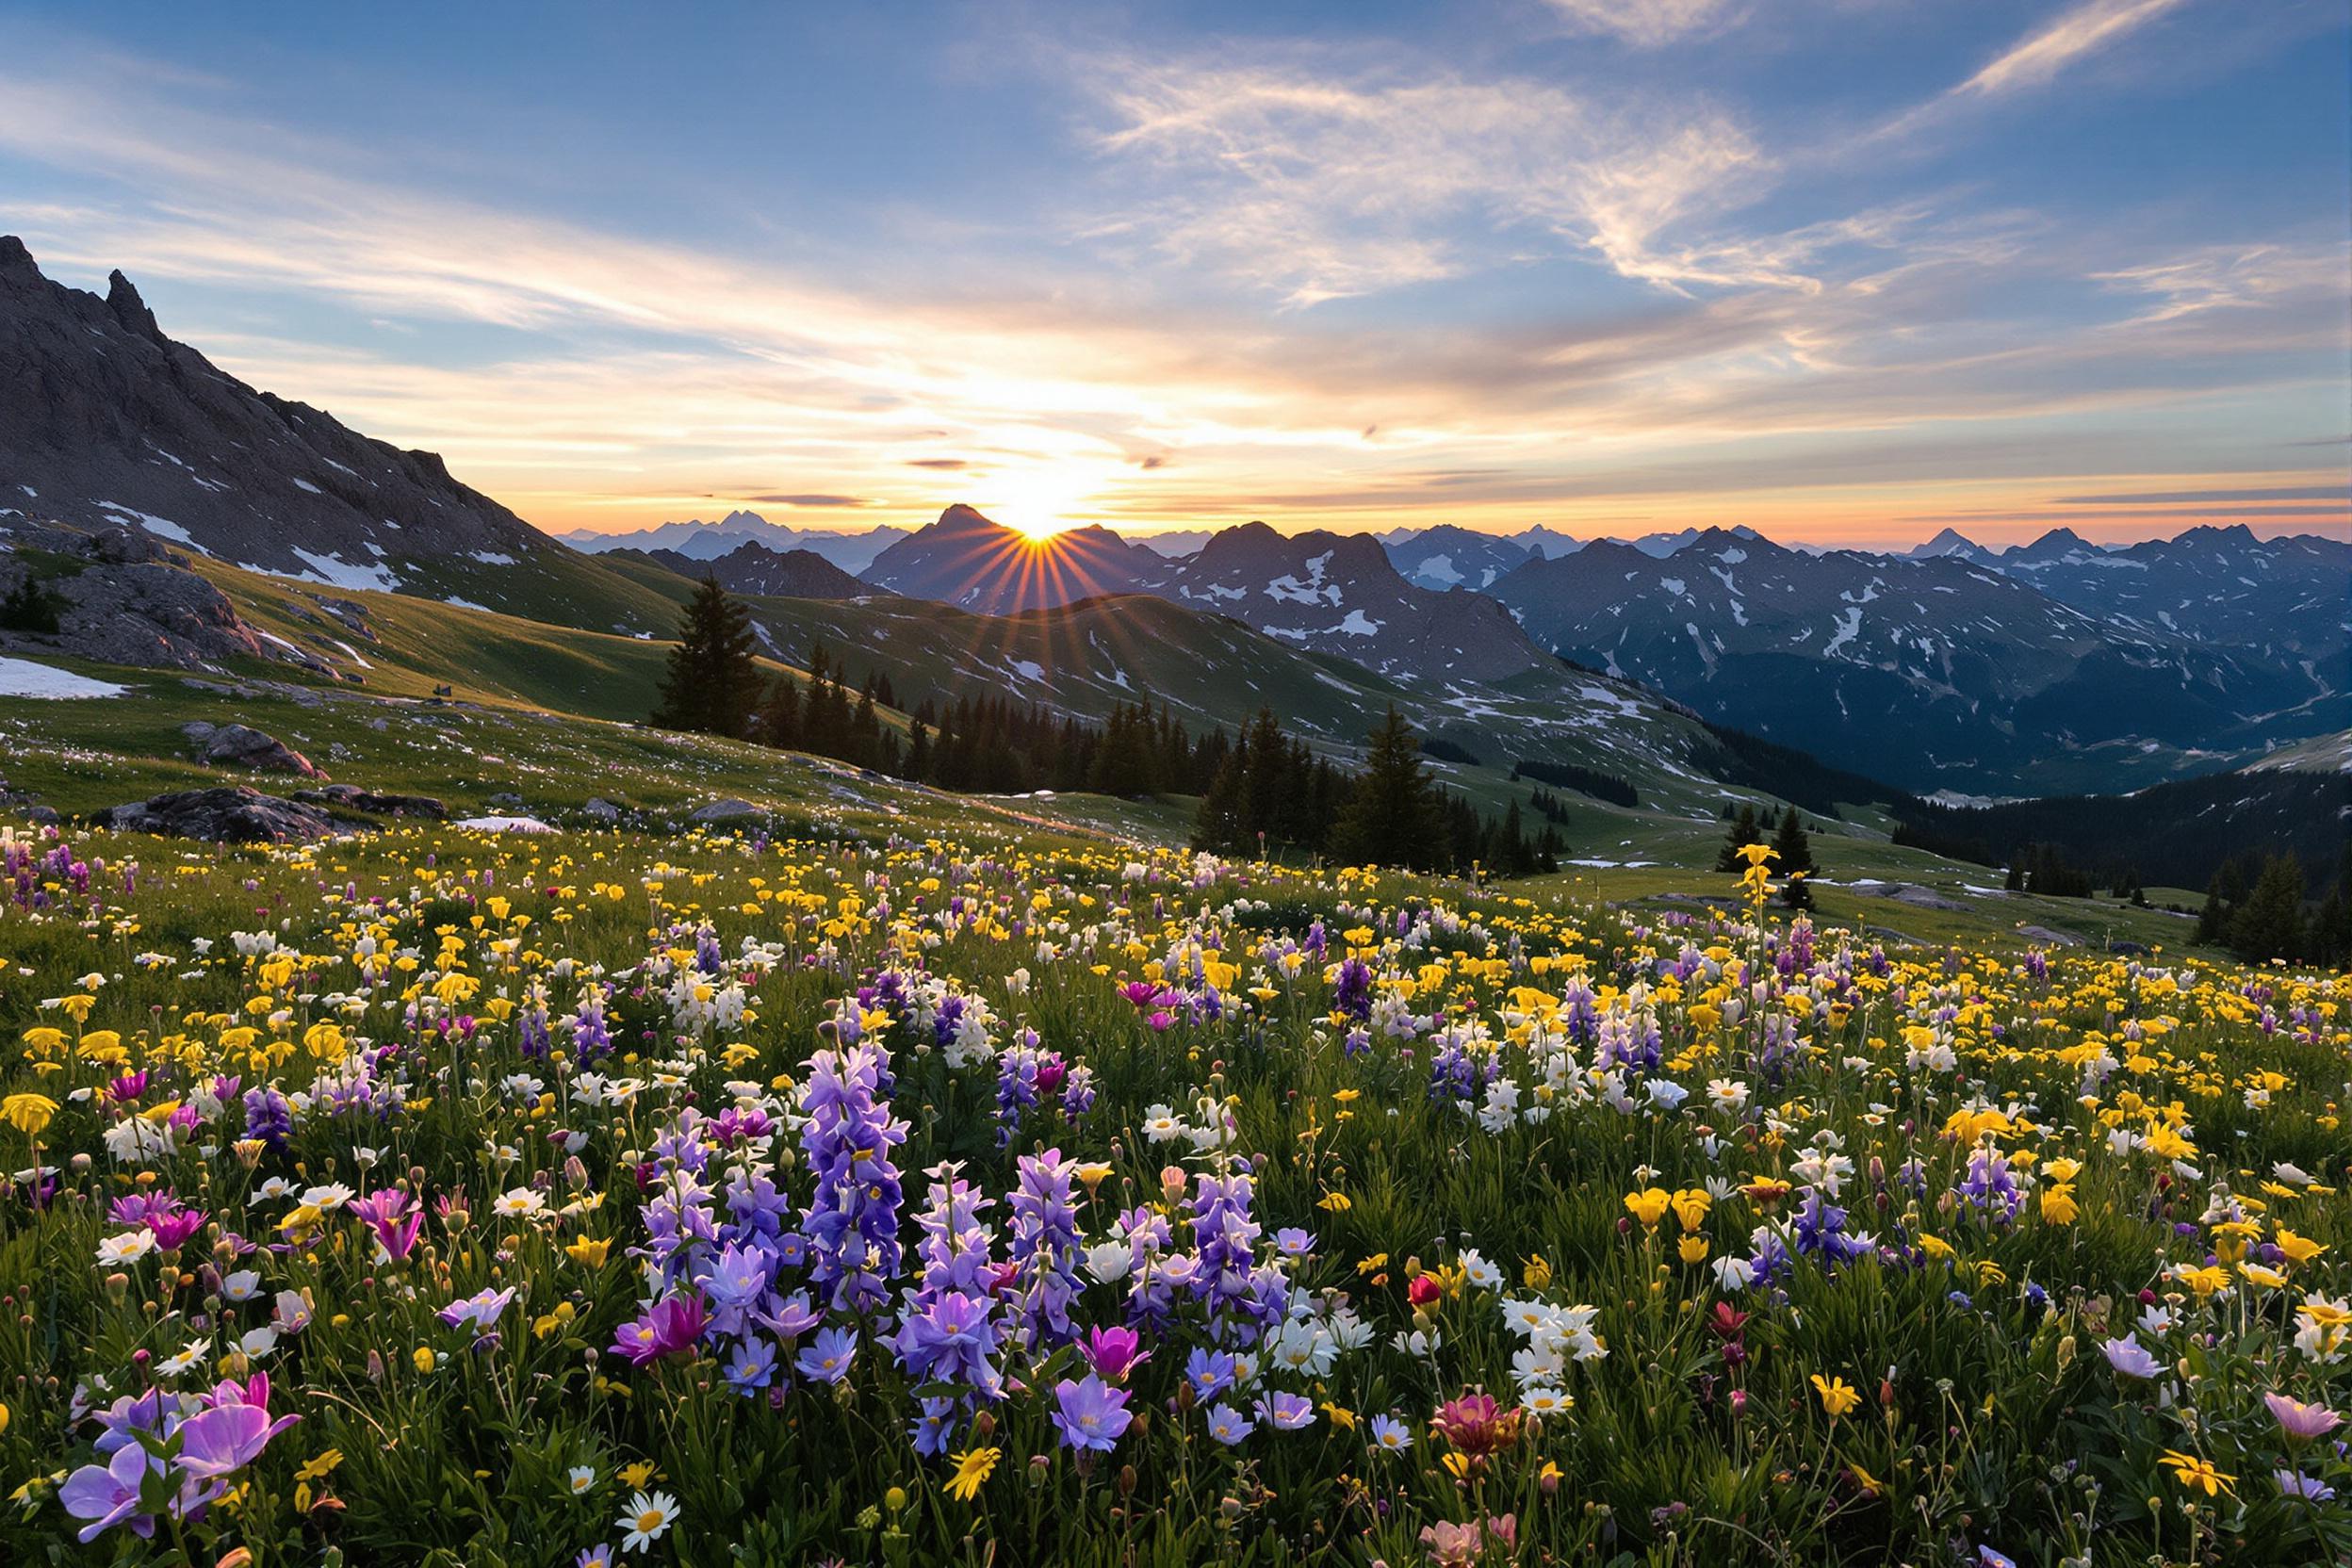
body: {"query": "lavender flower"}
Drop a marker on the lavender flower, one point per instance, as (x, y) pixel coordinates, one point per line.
(1090, 1415)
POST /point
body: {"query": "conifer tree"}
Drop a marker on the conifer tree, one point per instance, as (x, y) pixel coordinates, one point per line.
(1795, 847)
(712, 682)
(865, 730)
(1395, 819)
(779, 716)
(1218, 824)
(2270, 923)
(1743, 832)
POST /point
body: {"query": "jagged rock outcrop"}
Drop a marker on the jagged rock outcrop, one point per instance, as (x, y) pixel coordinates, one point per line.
(106, 420)
(230, 815)
(114, 594)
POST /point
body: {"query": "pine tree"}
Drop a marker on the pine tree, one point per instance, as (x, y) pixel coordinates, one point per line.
(1743, 832)
(916, 763)
(1218, 824)
(713, 681)
(1794, 845)
(865, 730)
(1395, 818)
(779, 716)
(2230, 882)
(2270, 925)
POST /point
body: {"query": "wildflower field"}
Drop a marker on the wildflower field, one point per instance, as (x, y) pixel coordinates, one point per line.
(466, 1199)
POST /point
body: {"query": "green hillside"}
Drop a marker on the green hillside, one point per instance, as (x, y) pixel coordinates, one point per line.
(554, 714)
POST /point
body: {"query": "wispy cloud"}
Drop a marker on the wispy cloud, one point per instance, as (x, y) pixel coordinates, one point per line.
(1319, 183)
(2233, 277)
(2037, 59)
(1646, 23)
(2167, 497)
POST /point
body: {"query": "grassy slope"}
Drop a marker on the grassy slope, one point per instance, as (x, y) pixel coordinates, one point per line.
(1083, 659)
(548, 711)
(83, 754)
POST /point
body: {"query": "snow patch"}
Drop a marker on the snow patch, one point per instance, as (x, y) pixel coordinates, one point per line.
(162, 526)
(22, 678)
(337, 573)
(1849, 627)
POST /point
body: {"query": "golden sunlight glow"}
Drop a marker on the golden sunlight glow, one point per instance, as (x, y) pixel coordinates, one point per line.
(1039, 501)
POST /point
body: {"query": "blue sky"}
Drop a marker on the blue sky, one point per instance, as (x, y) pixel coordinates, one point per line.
(1845, 270)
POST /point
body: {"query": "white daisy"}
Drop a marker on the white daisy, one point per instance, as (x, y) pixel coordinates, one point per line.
(648, 1517)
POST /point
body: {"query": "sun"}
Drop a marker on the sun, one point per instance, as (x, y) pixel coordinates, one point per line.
(1042, 502)
(1038, 530)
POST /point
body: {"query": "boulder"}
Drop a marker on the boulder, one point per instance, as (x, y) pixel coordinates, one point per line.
(241, 745)
(2050, 935)
(600, 809)
(351, 797)
(1909, 893)
(726, 810)
(229, 814)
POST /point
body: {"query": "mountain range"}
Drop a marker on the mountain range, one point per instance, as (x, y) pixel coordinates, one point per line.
(2051, 666)
(1988, 681)
(751, 567)
(851, 550)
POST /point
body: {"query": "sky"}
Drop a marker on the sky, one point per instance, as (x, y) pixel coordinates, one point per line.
(1848, 271)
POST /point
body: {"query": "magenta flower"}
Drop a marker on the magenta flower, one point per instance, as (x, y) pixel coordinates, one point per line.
(2300, 1421)
(394, 1217)
(172, 1230)
(253, 1390)
(670, 1327)
(1090, 1415)
(1114, 1352)
(1144, 995)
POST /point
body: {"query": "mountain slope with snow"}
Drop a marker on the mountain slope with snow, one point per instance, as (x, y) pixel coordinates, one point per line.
(1931, 672)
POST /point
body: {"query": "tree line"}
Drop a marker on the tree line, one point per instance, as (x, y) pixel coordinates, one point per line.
(2256, 907)
(1272, 795)
(1261, 791)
